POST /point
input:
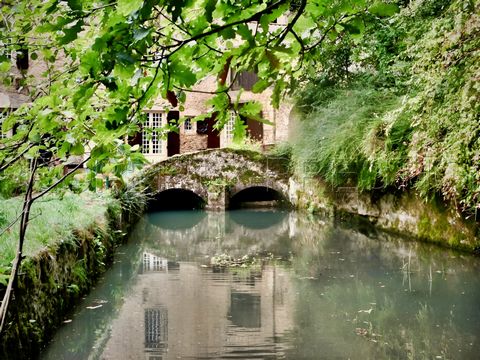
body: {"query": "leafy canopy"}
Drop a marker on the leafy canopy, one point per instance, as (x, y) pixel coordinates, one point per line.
(106, 61)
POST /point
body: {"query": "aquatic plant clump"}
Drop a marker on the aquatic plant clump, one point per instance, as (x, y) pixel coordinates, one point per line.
(224, 261)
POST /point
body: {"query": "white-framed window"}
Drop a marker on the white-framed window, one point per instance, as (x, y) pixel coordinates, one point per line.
(187, 125)
(156, 328)
(229, 126)
(154, 263)
(151, 138)
(3, 115)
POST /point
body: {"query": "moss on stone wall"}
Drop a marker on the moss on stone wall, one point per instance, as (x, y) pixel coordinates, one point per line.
(403, 213)
(229, 167)
(51, 282)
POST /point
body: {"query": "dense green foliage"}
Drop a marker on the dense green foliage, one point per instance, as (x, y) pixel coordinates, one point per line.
(405, 112)
(107, 61)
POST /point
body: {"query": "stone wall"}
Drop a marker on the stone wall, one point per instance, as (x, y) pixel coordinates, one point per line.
(13, 96)
(403, 213)
(217, 174)
(51, 283)
(192, 141)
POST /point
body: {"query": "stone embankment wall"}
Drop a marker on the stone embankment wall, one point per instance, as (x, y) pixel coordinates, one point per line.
(52, 282)
(403, 213)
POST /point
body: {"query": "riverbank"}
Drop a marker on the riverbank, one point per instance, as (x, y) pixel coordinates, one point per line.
(388, 125)
(401, 212)
(70, 242)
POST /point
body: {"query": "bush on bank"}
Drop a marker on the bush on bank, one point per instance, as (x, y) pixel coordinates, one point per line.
(404, 112)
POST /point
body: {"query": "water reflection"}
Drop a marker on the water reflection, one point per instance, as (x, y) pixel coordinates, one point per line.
(315, 290)
(169, 219)
(156, 330)
(257, 219)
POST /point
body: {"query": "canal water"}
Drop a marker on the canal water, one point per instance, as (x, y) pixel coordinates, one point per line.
(252, 284)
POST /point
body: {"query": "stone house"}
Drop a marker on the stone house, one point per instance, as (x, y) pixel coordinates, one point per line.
(191, 135)
(200, 135)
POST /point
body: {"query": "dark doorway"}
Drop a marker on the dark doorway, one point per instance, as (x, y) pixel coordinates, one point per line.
(213, 141)
(254, 128)
(173, 138)
(176, 199)
(135, 139)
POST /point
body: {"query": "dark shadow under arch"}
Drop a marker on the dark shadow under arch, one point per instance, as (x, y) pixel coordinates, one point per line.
(257, 197)
(176, 199)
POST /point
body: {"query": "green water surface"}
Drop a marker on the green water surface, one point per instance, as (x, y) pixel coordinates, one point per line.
(301, 288)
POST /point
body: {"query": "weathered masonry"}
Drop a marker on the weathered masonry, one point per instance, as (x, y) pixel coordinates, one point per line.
(217, 179)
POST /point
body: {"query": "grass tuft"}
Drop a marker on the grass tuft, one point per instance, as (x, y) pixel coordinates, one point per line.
(53, 219)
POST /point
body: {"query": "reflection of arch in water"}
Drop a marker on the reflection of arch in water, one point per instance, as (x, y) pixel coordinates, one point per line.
(257, 196)
(257, 219)
(176, 199)
(176, 220)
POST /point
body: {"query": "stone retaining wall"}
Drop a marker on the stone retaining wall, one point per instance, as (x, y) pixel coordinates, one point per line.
(404, 213)
(51, 283)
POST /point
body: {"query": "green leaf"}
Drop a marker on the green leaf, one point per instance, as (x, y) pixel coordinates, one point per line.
(239, 129)
(51, 7)
(126, 7)
(209, 6)
(5, 66)
(273, 59)
(75, 4)
(71, 33)
(384, 9)
(175, 8)
(183, 74)
(125, 59)
(245, 32)
(77, 149)
(259, 86)
(4, 279)
(277, 92)
(141, 33)
(253, 110)
(228, 33)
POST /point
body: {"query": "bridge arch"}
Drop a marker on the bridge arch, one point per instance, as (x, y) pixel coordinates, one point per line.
(220, 177)
(256, 196)
(176, 199)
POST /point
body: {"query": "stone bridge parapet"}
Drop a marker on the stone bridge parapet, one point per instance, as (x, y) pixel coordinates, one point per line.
(217, 175)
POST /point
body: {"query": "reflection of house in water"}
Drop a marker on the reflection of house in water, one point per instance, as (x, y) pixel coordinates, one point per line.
(154, 263)
(206, 313)
(196, 313)
(156, 332)
(228, 228)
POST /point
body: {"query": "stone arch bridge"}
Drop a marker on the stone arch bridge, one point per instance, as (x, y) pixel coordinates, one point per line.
(218, 178)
